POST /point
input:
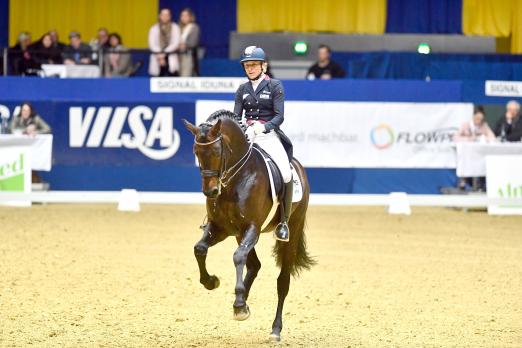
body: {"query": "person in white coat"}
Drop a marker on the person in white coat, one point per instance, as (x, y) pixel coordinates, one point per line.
(164, 40)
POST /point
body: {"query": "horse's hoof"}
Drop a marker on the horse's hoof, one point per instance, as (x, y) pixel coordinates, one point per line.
(274, 337)
(241, 313)
(213, 283)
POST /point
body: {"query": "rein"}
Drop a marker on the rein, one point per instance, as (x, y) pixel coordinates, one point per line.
(224, 175)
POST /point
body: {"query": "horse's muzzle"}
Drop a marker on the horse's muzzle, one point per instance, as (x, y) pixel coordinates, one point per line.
(211, 193)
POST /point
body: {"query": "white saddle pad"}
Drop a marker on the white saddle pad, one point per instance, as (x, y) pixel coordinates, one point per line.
(296, 197)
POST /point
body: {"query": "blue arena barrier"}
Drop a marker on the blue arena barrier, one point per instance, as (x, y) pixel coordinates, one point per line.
(93, 156)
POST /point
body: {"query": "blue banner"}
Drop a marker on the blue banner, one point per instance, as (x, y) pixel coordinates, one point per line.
(111, 134)
(115, 133)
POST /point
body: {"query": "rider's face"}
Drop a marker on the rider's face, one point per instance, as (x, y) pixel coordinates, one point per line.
(253, 69)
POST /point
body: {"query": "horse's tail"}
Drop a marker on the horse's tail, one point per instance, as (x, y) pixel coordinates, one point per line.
(293, 254)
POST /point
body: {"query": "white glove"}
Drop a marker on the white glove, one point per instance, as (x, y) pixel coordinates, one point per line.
(259, 128)
(250, 133)
(255, 129)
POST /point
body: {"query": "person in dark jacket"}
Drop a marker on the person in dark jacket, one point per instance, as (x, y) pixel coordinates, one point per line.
(21, 58)
(509, 126)
(44, 52)
(262, 99)
(77, 52)
(325, 69)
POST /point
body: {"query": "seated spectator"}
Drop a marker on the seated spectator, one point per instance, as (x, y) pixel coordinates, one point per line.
(77, 52)
(325, 69)
(22, 61)
(117, 61)
(164, 39)
(476, 129)
(44, 52)
(509, 126)
(28, 122)
(56, 41)
(188, 47)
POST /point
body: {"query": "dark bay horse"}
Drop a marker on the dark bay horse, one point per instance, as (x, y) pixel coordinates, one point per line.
(236, 183)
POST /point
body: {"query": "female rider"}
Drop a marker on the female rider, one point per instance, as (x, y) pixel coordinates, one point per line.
(262, 99)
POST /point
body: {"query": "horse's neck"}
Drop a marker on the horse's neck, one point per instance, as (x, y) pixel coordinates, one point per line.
(238, 143)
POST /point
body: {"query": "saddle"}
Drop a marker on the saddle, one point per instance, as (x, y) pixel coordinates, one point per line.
(276, 179)
(277, 186)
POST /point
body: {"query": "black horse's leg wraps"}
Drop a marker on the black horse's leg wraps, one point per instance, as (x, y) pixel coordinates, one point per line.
(240, 258)
(200, 251)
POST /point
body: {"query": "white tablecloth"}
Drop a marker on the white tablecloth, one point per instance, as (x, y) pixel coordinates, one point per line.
(62, 70)
(41, 148)
(471, 157)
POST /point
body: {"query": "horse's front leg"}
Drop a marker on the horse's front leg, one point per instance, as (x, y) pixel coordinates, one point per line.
(210, 238)
(249, 240)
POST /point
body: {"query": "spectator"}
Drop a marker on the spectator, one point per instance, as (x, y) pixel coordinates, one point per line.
(188, 47)
(476, 129)
(22, 61)
(509, 126)
(164, 39)
(117, 60)
(100, 43)
(77, 52)
(28, 122)
(44, 52)
(56, 42)
(102, 40)
(325, 69)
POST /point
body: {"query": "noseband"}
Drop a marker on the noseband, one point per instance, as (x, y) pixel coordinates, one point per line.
(224, 175)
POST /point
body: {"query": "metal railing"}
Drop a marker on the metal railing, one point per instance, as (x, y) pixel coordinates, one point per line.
(138, 59)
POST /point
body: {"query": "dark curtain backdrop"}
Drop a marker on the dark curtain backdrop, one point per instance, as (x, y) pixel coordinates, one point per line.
(216, 20)
(424, 16)
(4, 23)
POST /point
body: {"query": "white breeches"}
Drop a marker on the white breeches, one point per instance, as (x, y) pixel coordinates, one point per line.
(271, 143)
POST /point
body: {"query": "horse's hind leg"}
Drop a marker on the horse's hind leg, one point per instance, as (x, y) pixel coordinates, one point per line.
(283, 285)
(253, 266)
(209, 239)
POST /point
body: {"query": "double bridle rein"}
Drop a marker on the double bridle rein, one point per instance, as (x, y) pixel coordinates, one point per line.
(224, 175)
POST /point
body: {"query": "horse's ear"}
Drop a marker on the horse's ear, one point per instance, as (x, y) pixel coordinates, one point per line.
(214, 131)
(193, 129)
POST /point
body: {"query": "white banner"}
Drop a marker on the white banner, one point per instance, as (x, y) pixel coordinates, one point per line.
(368, 135)
(503, 88)
(40, 147)
(504, 180)
(15, 172)
(195, 84)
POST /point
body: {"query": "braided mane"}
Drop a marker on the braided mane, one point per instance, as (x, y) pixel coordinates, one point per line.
(226, 114)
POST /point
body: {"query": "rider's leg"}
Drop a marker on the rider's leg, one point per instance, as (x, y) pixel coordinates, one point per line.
(272, 144)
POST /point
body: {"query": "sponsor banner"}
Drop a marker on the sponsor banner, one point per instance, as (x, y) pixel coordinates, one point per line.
(504, 180)
(368, 135)
(15, 171)
(115, 133)
(503, 89)
(195, 84)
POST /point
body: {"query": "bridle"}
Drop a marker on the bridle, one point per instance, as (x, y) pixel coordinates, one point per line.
(224, 175)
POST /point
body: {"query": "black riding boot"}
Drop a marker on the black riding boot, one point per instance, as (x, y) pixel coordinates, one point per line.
(282, 231)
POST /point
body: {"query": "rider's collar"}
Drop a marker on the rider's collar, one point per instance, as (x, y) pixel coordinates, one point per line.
(258, 79)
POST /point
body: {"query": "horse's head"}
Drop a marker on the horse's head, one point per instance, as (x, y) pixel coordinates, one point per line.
(210, 147)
